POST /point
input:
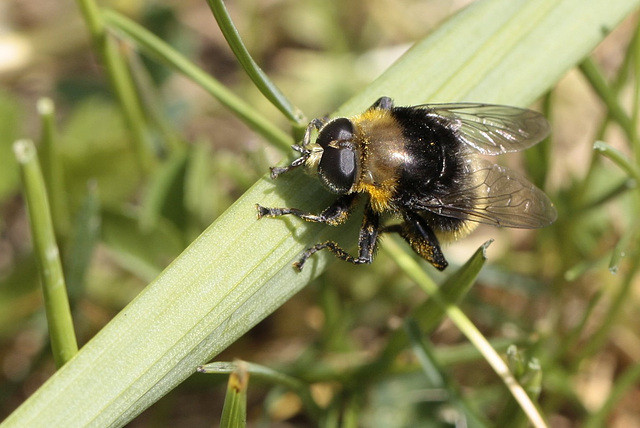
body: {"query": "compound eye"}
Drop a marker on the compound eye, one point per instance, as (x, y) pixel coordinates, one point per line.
(337, 168)
(340, 129)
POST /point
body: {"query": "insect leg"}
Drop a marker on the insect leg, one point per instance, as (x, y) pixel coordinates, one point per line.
(336, 213)
(420, 236)
(383, 103)
(366, 242)
(302, 148)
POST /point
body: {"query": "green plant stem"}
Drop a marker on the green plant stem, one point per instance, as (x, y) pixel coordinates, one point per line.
(234, 411)
(259, 78)
(272, 376)
(618, 158)
(428, 315)
(121, 81)
(621, 248)
(455, 314)
(437, 376)
(598, 337)
(352, 411)
(63, 338)
(625, 186)
(155, 47)
(593, 74)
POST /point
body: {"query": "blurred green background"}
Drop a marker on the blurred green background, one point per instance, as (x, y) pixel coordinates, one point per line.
(119, 222)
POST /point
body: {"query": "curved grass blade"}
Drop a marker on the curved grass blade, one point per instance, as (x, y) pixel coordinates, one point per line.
(259, 78)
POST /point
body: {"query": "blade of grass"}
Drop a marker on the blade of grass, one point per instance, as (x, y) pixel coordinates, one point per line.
(234, 411)
(61, 332)
(161, 134)
(160, 50)
(618, 158)
(272, 376)
(635, 110)
(120, 79)
(529, 374)
(352, 413)
(585, 266)
(52, 169)
(455, 314)
(437, 377)
(608, 95)
(503, 52)
(603, 330)
(429, 314)
(83, 240)
(259, 78)
(624, 186)
(238, 270)
(622, 247)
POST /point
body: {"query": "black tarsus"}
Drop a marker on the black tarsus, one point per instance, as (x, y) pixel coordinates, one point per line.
(301, 148)
(367, 243)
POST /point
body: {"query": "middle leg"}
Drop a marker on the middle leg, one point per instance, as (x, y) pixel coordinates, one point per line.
(367, 242)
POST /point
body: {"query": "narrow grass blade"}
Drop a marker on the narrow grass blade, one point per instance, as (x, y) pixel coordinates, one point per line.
(438, 378)
(61, 332)
(83, 240)
(462, 279)
(259, 78)
(450, 293)
(161, 51)
(429, 314)
(234, 412)
(120, 79)
(165, 197)
(618, 158)
(622, 247)
(273, 377)
(529, 374)
(621, 296)
(609, 96)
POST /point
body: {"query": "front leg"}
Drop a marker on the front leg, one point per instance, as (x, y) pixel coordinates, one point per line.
(305, 153)
(367, 242)
(337, 213)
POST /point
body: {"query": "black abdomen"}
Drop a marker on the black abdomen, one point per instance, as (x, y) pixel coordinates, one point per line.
(435, 165)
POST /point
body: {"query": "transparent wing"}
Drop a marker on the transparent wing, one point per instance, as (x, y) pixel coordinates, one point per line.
(492, 129)
(498, 196)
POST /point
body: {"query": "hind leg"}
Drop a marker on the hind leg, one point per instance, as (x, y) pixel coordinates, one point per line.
(421, 238)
